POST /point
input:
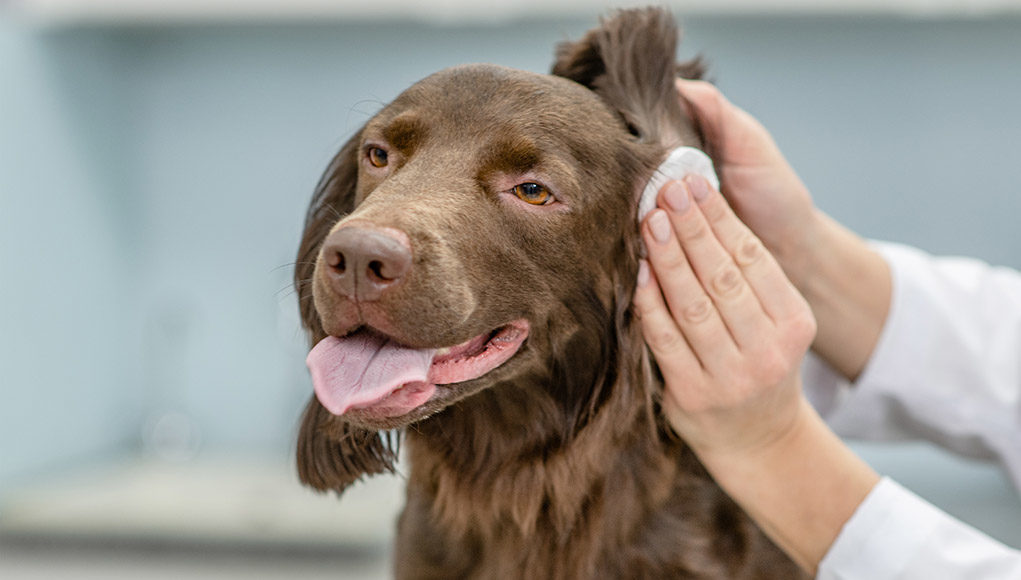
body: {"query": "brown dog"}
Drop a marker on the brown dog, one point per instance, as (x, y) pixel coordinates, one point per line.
(466, 274)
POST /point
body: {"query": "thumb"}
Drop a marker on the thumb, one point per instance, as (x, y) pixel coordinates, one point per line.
(705, 103)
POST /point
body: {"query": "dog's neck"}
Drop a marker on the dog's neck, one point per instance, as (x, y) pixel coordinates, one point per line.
(495, 465)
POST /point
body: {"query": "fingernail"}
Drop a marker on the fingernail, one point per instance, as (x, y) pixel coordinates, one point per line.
(659, 225)
(643, 273)
(676, 197)
(698, 187)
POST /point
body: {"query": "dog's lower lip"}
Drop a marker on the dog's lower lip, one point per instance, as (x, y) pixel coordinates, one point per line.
(466, 349)
(478, 356)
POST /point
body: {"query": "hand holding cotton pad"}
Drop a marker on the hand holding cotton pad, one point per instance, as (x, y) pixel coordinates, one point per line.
(680, 163)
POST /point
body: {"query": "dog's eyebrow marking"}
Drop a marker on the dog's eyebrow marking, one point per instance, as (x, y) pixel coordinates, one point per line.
(511, 155)
(404, 132)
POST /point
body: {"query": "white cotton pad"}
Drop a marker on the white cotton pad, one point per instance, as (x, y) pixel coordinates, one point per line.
(681, 162)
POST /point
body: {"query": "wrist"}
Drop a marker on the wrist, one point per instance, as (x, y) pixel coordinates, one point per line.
(848, 286)
(738, 461)
(803, 255)
(800, 489)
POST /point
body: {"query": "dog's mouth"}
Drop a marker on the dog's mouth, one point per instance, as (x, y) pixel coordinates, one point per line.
(365, 370)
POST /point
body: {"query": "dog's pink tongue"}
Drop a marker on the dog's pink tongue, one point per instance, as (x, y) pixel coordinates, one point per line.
(362, 371)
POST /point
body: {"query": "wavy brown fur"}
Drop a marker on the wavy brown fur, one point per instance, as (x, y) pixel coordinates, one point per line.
(558, 464)
(611, 60)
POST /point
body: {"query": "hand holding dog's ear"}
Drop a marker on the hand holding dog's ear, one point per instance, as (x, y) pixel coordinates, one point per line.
(727, 329)
(845, 281)
(761, 186)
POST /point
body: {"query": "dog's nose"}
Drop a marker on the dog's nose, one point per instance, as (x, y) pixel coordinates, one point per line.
(363, 263)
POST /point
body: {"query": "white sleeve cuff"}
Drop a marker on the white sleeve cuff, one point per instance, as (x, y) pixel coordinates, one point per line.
(945, 367)
(894, 534)
(857, 410)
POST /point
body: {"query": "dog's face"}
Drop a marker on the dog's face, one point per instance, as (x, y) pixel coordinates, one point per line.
(487, 201)
(475, 243)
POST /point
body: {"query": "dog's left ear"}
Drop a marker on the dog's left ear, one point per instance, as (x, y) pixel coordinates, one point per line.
(630, 61)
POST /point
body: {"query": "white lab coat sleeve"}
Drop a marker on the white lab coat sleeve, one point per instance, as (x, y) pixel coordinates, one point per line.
(947, 366)
(894, 534)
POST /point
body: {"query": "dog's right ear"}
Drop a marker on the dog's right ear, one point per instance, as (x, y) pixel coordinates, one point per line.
(333, 454)
(334, 198)
(630, 61)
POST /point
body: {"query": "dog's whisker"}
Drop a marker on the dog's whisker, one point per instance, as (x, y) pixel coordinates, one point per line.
(284, 293)
(282, 266)
(336, 212)
(376, 101)
(353, 109)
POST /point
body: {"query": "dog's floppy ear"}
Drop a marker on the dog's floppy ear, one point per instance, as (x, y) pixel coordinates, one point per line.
(630, 61)
(332, 454)
(334, 198)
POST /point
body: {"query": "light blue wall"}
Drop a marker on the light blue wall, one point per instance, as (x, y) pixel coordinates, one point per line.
(903, 129)
(64, 388)
(153, 181)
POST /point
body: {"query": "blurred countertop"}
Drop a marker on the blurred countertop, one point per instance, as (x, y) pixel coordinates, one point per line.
(215, 501)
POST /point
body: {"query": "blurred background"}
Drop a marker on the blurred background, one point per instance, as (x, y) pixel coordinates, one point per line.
(156, 159)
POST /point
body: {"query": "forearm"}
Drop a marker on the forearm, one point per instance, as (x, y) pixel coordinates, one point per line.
(801, 489)
(848, 286)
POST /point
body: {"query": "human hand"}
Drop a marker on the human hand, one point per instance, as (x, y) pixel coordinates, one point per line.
(845, 281)
(728, 331)
(725, 325)
(755, 177)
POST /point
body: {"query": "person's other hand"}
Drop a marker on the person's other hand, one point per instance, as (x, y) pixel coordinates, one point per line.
(726, 327)
(761, 186)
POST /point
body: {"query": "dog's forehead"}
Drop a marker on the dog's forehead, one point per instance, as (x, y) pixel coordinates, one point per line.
(483, 95)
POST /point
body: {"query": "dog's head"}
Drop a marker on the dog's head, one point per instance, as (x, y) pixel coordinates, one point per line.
(480, 231)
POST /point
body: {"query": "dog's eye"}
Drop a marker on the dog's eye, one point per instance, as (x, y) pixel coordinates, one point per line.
(378, 157)
(533, 193)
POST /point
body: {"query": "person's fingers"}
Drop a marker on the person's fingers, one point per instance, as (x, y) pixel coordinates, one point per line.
(692, 309)
(661, 333)
(775, 293)
(719, 275)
